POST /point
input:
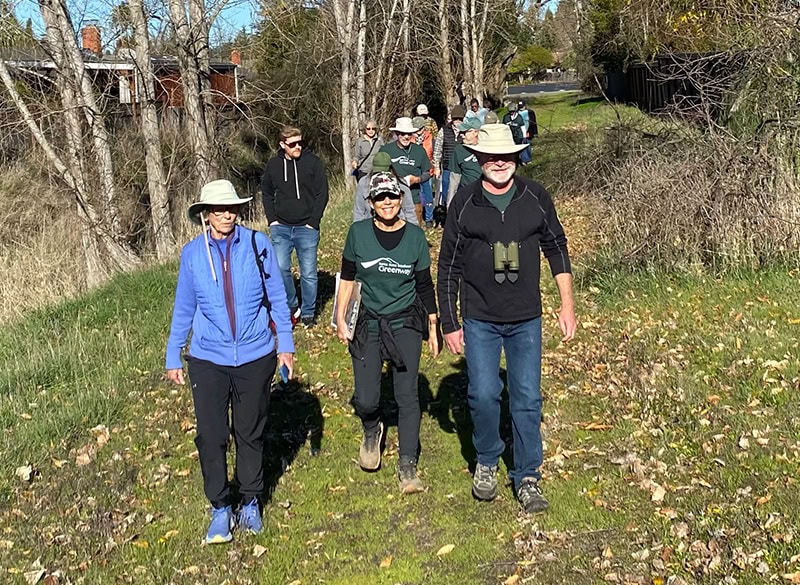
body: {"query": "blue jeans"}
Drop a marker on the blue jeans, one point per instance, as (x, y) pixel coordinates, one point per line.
(525, 155)
(445, 186)
(426, 198)
(522, 342)
(304, 240)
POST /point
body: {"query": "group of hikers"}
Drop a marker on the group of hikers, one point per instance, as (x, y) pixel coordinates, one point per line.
(236, 296)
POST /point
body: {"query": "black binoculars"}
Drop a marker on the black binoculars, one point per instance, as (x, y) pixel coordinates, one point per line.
(506, 257)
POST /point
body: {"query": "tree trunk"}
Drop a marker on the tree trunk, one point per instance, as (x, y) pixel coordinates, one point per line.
(448, 84)
(151, 134)
(192, 102)
(382, 58)
(344, 15)
(479, 47)
(200, 27)
(361, 63)
(406, 28)
(468, 87)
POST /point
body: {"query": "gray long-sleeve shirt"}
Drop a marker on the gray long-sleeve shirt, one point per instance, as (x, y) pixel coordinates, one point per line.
(361, 209)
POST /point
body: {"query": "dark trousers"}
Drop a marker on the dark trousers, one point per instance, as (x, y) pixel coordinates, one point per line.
(245, 389)
(367, 375)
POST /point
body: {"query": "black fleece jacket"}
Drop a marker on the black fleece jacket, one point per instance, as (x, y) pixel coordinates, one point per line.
(466, 261)
(295, 191)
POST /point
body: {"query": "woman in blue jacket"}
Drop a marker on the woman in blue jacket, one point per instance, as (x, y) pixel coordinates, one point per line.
(231, 297)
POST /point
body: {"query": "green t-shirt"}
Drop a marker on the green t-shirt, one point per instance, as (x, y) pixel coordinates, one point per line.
(408, 161)
(386, 276)
(500, 201)
(466, 164)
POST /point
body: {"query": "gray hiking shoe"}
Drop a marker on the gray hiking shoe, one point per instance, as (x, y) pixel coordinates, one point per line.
(484, 482)
(369, 456)
(530, 496)
(407, 474)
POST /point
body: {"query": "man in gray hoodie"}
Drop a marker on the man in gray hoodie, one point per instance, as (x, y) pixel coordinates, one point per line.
(295, 192)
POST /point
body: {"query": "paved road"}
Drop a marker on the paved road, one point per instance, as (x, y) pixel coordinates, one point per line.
(549, 87)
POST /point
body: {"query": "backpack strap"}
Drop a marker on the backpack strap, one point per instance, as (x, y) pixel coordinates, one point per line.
(260, 262)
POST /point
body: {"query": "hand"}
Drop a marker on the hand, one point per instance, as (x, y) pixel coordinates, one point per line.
(341, 330)
(353, 164)
(176, 376)
(567, 322)
(435, 172)
(286, 359)
(434, 341)
(455, 341)
(411, 180)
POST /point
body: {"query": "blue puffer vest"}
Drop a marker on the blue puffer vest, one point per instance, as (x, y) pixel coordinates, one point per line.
(200, 304)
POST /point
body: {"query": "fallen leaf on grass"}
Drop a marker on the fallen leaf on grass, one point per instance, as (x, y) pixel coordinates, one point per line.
(596, 426)
(35, 574)
(763, 500)
(168, 535)
(6, 544)
(658, 494)
(296, 582)
(386, 563)
(512, 580)
(445, 550)
(100, 434)
(24, 472)
(792, 577)
(258, 551)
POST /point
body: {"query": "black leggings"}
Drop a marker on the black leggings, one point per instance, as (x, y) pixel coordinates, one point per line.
(245, 389)
(367, 374)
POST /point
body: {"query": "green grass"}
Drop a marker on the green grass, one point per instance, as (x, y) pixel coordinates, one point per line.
(686, 382)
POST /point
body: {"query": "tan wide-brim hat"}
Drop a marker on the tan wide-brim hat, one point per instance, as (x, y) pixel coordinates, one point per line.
(495, 139)
(219, 192)
(404, 125)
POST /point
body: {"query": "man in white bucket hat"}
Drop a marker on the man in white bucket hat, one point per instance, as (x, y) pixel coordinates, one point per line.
(241, 331)
(410, 162)
(490, 254)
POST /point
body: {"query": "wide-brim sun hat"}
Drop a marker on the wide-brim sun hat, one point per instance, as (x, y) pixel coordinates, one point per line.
(219, 192)
(496, 139)
(404, 126)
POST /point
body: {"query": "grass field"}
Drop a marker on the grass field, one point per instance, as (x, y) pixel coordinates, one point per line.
(671, 453)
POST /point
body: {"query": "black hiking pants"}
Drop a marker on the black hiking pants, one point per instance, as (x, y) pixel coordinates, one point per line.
(245, 391)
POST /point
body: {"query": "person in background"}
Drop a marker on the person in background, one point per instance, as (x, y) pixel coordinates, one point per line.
(531, 130)
(425, 140)
(491, 118)
(390, 258)
(295, 193)
(516, 123)
(410, 163)
(361, 207)
(226, 299)
(464, 164)
(443, 149)
(476, 110)
(365, 150)
(491, 243)
(430, 123)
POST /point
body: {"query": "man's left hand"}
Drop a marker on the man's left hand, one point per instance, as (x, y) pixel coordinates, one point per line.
(286, 359)
(567, 323)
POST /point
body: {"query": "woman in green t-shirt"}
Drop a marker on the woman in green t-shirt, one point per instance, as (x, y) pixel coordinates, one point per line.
(390, 260)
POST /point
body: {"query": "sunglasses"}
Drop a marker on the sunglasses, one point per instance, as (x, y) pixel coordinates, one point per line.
(221, 209)
(295, 144)
(406, 133)
(378, 197)
(370, 128)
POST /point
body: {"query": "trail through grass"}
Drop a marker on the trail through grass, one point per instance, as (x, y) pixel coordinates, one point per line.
(671, 443)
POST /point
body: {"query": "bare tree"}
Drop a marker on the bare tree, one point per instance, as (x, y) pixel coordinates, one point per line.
(151, 134)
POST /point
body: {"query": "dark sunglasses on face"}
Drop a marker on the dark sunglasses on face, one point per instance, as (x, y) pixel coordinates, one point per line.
(294, 144)
(370, 128)
(377, 198)
(221, 209)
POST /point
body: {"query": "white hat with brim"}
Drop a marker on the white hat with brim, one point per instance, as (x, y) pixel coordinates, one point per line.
(404, 126)
(495, 139)
(220, 192)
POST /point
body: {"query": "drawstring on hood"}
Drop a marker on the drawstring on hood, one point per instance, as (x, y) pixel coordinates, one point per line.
(286, 176)
(208, 247)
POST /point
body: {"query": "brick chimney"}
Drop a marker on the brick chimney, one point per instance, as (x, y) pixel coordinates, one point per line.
(90, 39)
(236, 57)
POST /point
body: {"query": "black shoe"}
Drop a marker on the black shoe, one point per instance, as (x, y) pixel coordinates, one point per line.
(530, 496)
(407, 474)
(308, 321)
(428, 224)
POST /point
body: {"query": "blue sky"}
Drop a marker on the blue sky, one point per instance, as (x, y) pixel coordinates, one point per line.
(237, 14)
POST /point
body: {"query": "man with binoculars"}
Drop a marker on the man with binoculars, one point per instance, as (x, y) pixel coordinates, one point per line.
(490, 254)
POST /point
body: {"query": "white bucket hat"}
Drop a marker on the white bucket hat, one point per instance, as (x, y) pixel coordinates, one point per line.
(495, 139)
(219, 192)
(404, 125)
(422, 110)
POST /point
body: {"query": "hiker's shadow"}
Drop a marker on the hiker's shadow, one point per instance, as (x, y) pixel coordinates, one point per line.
(295, 420)
(450, 408)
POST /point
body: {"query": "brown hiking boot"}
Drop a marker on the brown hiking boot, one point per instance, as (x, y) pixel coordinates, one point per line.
(369, 456)
(407, 474)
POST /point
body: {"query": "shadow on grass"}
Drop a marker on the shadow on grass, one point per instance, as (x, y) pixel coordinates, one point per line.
(451, 410)
(295, 418)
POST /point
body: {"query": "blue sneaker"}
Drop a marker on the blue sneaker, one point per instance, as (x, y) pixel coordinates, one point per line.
(250, 517)
(219, 531)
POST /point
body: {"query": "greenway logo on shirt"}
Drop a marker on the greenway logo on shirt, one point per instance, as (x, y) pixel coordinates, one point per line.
(471, 158)
(404, 160)
(388, 265)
